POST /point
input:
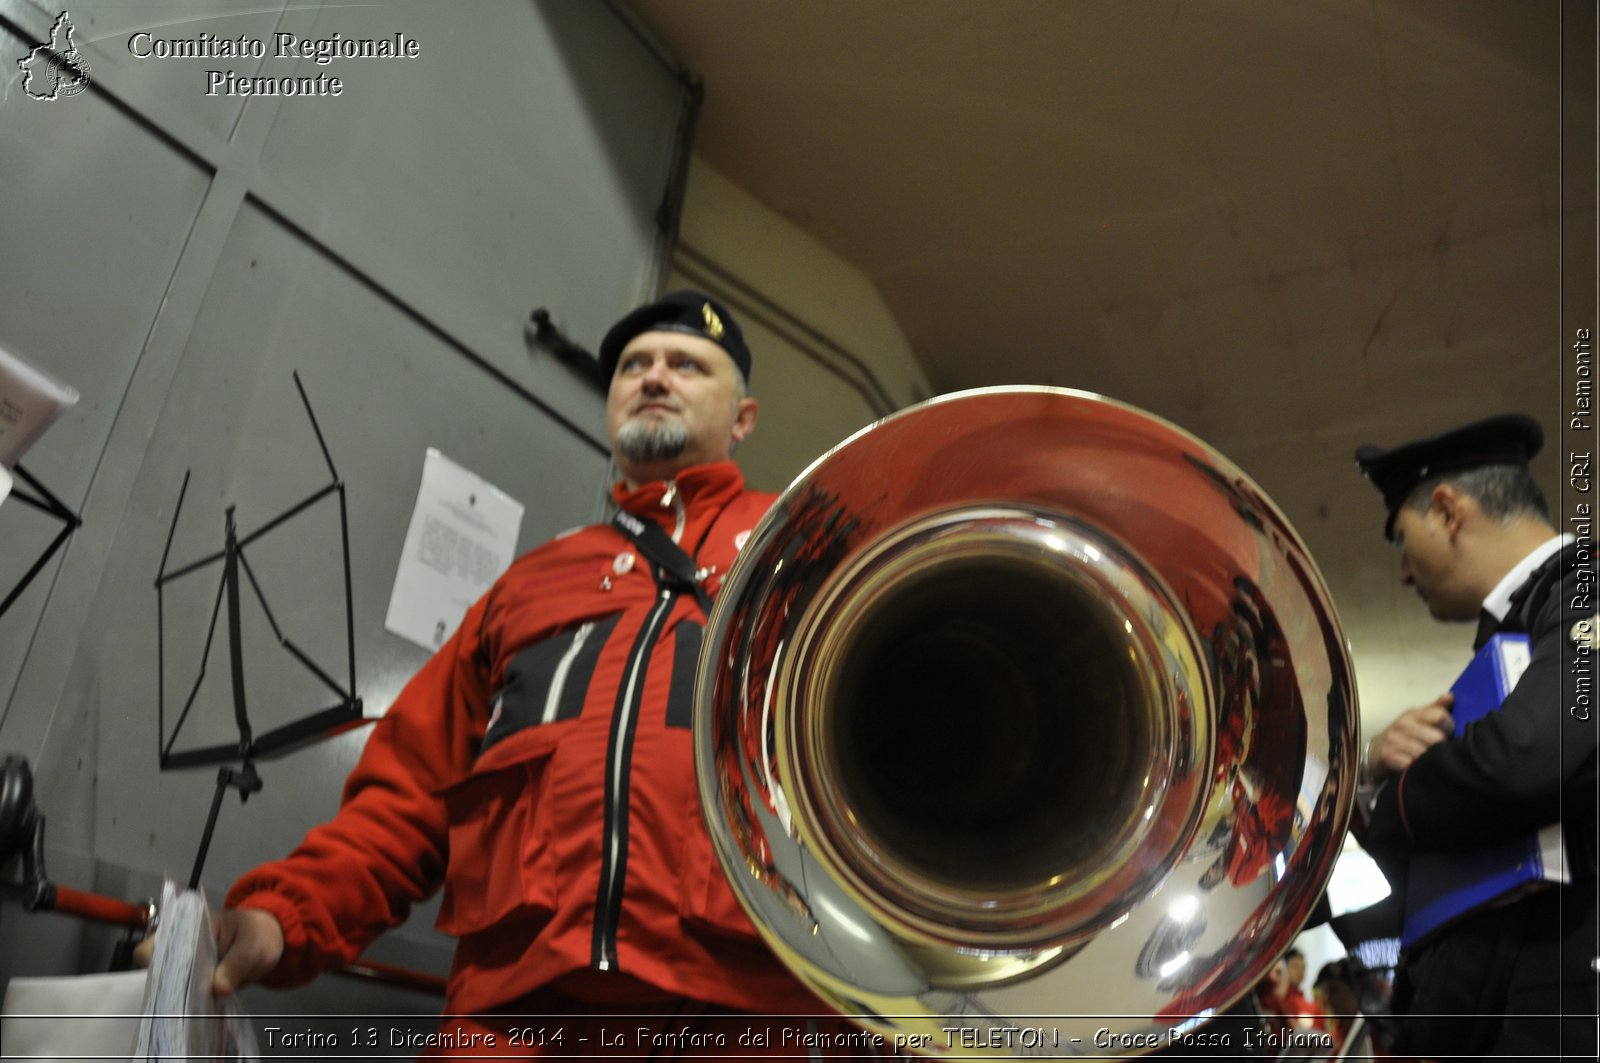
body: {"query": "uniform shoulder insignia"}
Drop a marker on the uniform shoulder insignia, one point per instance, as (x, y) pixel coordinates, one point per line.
(1585, 634)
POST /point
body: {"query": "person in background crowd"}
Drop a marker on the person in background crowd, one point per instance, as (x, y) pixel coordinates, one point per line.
(1301, 1010)
(1272, 993)
(1335, 994)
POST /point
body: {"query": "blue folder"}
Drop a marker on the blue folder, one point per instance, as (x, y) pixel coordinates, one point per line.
(1441, 886)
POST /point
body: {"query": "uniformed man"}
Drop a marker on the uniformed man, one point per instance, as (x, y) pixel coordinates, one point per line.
(1514, 978)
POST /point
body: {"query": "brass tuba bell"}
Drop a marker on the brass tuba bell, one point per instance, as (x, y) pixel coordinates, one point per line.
(1025, 725)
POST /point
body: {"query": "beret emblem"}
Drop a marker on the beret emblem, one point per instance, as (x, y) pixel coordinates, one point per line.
(713, 322)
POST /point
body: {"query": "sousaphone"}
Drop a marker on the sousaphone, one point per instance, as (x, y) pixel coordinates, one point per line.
(1024, 726)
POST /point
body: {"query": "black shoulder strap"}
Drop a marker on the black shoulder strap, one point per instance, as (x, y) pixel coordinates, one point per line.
(674, 569)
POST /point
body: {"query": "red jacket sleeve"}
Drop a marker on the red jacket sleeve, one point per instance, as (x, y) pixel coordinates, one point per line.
(358, 874)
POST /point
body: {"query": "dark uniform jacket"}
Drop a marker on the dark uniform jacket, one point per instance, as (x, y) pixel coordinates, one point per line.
(1509, 774)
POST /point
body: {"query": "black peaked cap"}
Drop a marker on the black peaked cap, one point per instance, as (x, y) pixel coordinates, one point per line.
(1508, 439)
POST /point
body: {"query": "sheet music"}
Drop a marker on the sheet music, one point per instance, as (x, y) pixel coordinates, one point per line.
(181, 1019)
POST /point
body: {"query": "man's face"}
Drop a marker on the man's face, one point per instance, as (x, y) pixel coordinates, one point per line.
(1430, 563)
(1297, 969)
(674, 402)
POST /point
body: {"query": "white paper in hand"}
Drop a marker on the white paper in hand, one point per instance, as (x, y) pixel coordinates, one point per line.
(182, 1020)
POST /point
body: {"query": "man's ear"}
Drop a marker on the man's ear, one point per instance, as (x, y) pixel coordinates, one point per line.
(744, 419)
(1452, 506)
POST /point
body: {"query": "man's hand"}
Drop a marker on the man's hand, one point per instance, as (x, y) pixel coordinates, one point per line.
(1393, 749)
(249, 945)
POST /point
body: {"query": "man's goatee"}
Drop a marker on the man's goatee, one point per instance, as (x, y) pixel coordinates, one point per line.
(646, 442)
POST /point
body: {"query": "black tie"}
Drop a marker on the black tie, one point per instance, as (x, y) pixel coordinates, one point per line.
(1516, 618)
(1488, 624)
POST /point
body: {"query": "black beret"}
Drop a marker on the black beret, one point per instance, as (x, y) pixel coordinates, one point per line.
(1509, 439)
(693, 312)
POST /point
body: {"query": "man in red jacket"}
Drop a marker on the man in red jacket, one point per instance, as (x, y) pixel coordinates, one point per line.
(539, 766)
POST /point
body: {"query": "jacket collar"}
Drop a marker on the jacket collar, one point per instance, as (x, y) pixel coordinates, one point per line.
(692, 491)
(1498, 603)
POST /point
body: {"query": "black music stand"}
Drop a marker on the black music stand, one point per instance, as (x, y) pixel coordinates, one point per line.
(41, 499)
(343, 715)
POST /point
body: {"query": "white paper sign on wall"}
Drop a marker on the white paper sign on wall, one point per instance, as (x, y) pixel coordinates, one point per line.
(462, 536)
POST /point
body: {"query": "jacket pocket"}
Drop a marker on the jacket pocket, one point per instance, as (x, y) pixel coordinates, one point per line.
(706, 902)
(500, 865)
